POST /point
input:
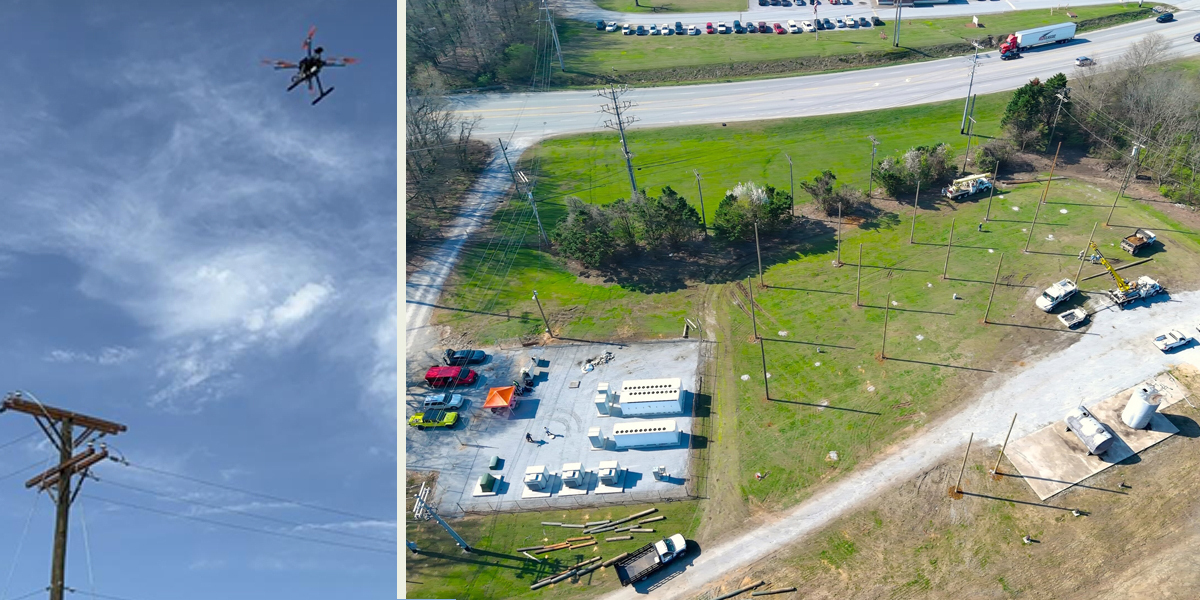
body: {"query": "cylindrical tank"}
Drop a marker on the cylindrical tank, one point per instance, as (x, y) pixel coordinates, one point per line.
(1089, 431)
(1143, 403)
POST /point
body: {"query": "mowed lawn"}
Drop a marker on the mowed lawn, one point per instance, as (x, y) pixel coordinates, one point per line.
(672, 6)
(587, 50)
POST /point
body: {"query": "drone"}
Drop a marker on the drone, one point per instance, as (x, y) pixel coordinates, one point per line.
(308, 70)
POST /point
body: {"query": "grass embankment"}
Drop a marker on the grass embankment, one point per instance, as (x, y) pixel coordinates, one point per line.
(442, 570)
(672, 6)
(592, 55)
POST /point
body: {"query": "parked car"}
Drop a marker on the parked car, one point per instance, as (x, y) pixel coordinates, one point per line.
(679, 30)
(1196, 37)
(798, 2)
(435, 418)
(820, 25)
(612, 26)
(709, 28)
(1165, 18)
(458, 358)
(445, 376)
(654, 30)
(840, 23)
(1010, 55)
(762, 27)
(1084, 61)
(443, 401)
(779, 29)
(722, 28)
(625, 29)
(876, 21)
(775, 2)
(693, 30)
(763, 3)
(737, 27)
(785, 2)
(666, 29)
(751, 27)
(1171, 340)
(851, 22)
(641, 30)
(829, 24)
(600, 25)
(863, 22)
(808, 26)
(792, 26)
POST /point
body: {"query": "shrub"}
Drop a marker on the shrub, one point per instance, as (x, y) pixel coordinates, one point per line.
(747, 204)
(584, 234)
(828, 198)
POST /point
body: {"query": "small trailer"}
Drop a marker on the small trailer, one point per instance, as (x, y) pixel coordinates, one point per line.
(648, 559)
(1140, 239)
(1073, 318)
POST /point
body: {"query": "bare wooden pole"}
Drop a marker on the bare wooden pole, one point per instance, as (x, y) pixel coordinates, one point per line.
(992, 193)
(1045, 193)
(995, 280)
(912, 231)
(957, 491)
(753, 316)
(858, 286)
(887, 305)
(1085, 249)
(838, 262)
(996, 469)
(766, 385)
(946, 268)
(759, 251)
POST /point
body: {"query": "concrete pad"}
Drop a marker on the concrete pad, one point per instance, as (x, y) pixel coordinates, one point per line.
(479, 493)
(616, 488)
(551, 481)
(589, 481)
(1053, 459)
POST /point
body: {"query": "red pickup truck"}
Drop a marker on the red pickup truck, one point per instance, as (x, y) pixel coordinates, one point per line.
(446, 376)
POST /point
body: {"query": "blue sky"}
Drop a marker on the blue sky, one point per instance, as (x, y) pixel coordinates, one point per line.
(190, 250)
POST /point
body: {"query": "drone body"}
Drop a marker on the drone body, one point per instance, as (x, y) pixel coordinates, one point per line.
(308, 70)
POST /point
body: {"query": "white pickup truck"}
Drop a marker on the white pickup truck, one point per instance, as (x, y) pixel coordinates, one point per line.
(1056, 294)
(644, 561)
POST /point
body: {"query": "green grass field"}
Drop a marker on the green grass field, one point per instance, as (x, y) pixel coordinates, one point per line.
(496, 571)
(672, 6)
(594, 52)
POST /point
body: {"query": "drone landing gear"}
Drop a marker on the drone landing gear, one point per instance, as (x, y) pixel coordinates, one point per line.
(323, 94)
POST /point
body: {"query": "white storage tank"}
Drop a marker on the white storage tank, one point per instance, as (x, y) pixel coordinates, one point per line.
(1089, 431)
(642, 434)
(642, 397)
(1141, 407)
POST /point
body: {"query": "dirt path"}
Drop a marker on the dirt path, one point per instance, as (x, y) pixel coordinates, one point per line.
(1114, 354)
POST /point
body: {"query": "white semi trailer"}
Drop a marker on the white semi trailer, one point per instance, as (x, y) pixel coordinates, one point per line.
(1039, 36)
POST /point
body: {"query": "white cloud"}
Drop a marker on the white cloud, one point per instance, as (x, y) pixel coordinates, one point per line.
(107, 356)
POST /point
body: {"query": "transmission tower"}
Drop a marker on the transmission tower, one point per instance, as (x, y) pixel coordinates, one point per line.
(59, 426)
(554, 32)
(616, 107)
(422, 511)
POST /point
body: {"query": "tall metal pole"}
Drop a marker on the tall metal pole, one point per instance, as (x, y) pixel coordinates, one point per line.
(615, 110)
(913, 231)
(791, 183)
(946, 268)
(1124, 183)
(992, 193)
(958, 486)
(858, 286)
(429, 510)
(700, 190)
(896, 34)
(544, 319)
(996, 469)
(995, 280)
(1085, 249)
(759, 251)
(766, 387)
(970, 84)
(753, 315)
(887, 306)
(1045, 193)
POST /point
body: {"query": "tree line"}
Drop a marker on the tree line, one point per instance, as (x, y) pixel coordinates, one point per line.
(472, 44)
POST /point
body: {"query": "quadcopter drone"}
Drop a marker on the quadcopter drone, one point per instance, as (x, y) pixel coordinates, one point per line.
(308, 70)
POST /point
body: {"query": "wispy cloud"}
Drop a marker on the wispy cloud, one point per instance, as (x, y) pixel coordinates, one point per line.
(107, 356)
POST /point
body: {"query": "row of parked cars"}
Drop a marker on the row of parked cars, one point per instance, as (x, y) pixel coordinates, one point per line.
(739, 27)
(440, 409)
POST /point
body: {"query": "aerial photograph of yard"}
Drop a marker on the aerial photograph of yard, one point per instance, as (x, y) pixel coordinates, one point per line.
(728, 315)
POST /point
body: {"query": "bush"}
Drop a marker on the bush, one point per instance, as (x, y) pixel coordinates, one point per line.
(988, 155)
(930, 166)
(747, 204)
(584, 234)
(828, 198)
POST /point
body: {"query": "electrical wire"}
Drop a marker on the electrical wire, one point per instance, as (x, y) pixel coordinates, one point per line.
(21, 542)
(240, 512)
(250, 493)
(18, 440)
(238, 527)
(19, 471)
(87, 549)
(31, 594)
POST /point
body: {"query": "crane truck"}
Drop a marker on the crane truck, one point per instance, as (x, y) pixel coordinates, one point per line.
(1039, 36)
(648, 559)
(967, 186)
(1126, 292)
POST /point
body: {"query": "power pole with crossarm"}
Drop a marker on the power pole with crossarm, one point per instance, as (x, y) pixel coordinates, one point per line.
(60, 427)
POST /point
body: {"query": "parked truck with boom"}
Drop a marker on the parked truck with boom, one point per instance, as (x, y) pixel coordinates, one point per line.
(648, 559)
(1126, 292)
(1039, 36)
(1141, 239)
(967, 186)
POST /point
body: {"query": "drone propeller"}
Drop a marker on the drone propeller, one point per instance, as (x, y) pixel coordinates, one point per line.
(279, 64)
(308, 40)
(340, 62)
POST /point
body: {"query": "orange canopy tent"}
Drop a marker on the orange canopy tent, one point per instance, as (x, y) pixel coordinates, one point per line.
(499, 398)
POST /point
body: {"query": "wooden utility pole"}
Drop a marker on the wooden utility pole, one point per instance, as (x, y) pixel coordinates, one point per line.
(995, 280)
(59, 426)
(946, 268)
(996, 469)
(887, 305)
(914, 223)
(1124, 183)
(1045, 193)
(1083, 254)
(956, 491)
(858, 286)
(992, 193)
(791, 184)
(753, 316)
(699, 190)
(766, 386)
(838, 261)
(544, 319)
(759, 252)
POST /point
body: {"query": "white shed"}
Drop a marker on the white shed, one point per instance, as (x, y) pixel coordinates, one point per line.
(644, 434)
(651, 397)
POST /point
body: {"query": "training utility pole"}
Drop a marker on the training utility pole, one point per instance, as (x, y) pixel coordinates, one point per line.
(1045, 193)
(759, 251)
(970, 130)
(700, 191)
(956, 492)
(766, 387)
(1084, 253)
(60, 427)
(791, 184)
(992, 193)
(887, 306)
(946, 268)
(1062, 97)
(1124, 183)
(519, 178)
(858, 286)
(753, 315)
(838, 261)
(971, 83)
(995, 280)
(424, 511)
(554, 33)
(896, 34)
(996, 469)
(871, 182)
(613, 94)
(912, 231)
(544, 319)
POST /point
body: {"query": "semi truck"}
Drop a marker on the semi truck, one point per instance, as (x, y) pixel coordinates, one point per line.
(648, 559)
(1140, 240)
(1039, 36)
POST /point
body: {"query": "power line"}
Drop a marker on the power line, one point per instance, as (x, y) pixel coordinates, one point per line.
(21, 470)
(18, 440)
(30, 594)
(250, 493)
(241, 512)
(238, 527)
(96, 595)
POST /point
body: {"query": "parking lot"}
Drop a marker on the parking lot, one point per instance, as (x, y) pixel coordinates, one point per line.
(462, 454)
(791, 23)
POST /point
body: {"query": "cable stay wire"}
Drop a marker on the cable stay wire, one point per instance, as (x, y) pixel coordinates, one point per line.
(87, 549)
(21, 542)
(237, 527)
(242, 512)
(30, 594)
